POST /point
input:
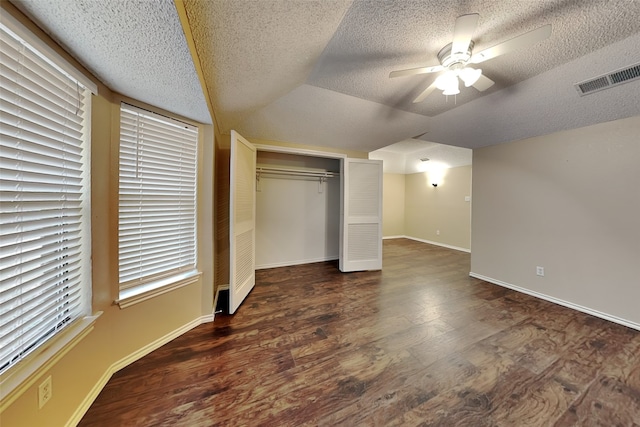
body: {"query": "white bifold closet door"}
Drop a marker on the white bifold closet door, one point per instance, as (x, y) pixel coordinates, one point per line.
(360, 226)
(242, 214)
(361, 215)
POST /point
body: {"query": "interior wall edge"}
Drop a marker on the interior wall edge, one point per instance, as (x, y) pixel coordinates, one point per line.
(564, 303)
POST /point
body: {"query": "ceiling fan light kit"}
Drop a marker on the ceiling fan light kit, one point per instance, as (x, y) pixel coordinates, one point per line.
(455, 56)
(447, 81)
(469, 76)
(452, 88)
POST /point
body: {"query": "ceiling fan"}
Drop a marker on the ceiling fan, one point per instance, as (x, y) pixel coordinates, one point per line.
(456, 56)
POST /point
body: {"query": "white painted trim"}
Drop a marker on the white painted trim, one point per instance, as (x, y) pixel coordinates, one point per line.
(300, 151)
(208, 318)
(138, 294)
(558, 301)
(444, 245)
(394, 237)
(77, 415)
(126, 361)
(299, 262)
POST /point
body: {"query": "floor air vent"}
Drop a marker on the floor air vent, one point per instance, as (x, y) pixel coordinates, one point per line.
(609, 80)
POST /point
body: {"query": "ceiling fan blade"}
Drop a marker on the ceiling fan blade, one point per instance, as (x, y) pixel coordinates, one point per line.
(463, 31)
(425, 93)
(519, 42)
(414, 71)
(483, 83)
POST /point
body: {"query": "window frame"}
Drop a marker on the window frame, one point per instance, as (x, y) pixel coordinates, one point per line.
(132, 292)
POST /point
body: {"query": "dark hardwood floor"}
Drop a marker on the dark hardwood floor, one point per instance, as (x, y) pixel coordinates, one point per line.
(418, 343)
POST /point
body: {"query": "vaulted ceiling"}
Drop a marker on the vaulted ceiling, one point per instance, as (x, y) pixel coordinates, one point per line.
(317, 72)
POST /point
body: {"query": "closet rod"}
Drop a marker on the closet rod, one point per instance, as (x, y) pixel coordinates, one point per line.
(295, 172)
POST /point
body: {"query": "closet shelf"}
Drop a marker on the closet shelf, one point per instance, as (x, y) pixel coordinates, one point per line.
(295, 172)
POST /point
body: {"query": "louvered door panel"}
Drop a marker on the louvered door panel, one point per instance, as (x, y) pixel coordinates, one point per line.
(242, 213)
(361, 242)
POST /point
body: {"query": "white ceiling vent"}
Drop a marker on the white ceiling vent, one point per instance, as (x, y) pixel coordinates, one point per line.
(609, 80)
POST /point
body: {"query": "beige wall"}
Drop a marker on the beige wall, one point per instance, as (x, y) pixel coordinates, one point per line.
(393, 193)
(569, 202)
(120, 335)
(429, 209)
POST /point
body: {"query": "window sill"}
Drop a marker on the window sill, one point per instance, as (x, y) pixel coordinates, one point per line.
(140, 293)
(18, 379)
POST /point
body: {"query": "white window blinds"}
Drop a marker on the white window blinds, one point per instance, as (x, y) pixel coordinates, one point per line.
(45, 250)
(157, 197)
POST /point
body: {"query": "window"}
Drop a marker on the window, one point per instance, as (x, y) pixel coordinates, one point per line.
(157, 202)
(45, 249)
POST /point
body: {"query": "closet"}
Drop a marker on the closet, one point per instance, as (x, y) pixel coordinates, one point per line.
(293, 206)
(297, 209)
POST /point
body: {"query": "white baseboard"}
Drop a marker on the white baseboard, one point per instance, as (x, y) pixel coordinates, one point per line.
(127, 360)
(444, 245)
(558, 301)
(208, 318)
(393, 237)
(90, 397)
(298, 262)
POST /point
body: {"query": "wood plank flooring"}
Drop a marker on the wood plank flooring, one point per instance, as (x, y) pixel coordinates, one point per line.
(419, 343)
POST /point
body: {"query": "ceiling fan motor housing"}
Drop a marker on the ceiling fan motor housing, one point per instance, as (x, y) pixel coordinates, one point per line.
(449, 59)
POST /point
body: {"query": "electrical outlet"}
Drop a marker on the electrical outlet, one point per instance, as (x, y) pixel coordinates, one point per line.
(437, 232)
(540, 271)
(45, 392)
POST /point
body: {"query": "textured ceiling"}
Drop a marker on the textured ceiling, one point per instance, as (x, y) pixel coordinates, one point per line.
(377, 37)
(545, 103)
(253, 52)
(315, 116)
(136, 48)
(316, 71)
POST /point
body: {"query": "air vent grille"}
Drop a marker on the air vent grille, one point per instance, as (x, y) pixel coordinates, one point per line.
(625, 75)
(595, 84)
(609, 80)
